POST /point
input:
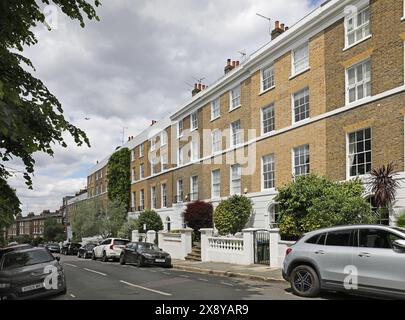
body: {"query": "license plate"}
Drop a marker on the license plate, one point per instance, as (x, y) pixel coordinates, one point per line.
(32, 287)
(160, 260)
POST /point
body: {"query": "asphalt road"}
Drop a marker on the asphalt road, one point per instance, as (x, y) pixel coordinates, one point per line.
(96, 280)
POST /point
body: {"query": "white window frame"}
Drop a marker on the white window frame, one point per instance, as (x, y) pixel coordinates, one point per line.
(194, 120)
(141, 171)
(163, 162)
(133, 175)
(214, 105)
(195, 150)
(270, 106)
(180, 187)
(216, 142)
(294, 165)
(180, 128)
(270, 79)
(180, 155)
(214, 196)
(348, 154)
(163, 138)
(153, 144)
(235, 101)
(141, 150)
(154, 166)
(234, 179)
(236, 138)
(163, 195)
(363, 82)
(193, 188)
(272, 163)
(133, 157)
(142, 198)
(133, 199)
(294, 70)
(153, 198)
(293, 99)
(356, 28)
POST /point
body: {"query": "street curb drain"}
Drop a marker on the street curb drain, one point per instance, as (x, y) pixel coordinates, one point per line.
(227, 274)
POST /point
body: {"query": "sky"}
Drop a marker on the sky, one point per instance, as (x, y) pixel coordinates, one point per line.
(133, 66)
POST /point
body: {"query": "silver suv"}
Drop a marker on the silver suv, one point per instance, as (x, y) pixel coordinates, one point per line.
(361, 259)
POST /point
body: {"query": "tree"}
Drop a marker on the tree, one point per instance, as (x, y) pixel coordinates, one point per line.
(151, 219)
(53, 230)
(232, 214)
(198, 214)
(113, 218)
(85, 221)
(9, 205)
(312, 202)
(119, 183)
(127, 228)
(31, 117)
(401, 220)
(384, 188)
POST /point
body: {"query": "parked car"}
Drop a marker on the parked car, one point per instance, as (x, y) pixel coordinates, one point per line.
(86, 251)
(143, 253)
(109, 249)
(70, 248)
(371, 256)
(53, 247)
(23, 276)
(14, 248)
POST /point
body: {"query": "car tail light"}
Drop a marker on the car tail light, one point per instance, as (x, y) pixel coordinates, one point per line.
(112, 247)
(288, 251)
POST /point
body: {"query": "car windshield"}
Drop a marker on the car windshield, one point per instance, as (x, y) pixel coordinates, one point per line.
(18, 259)
(402, 230)
(75, 245)
(148, 246)
(120, 242)
(91, 246)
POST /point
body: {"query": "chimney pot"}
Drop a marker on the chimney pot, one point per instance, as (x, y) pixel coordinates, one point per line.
(195, 86)
(228, 62)
(233, 63)
(199, 86)
(277, 24)
(237, 63)
(286, 28)
(282, 26)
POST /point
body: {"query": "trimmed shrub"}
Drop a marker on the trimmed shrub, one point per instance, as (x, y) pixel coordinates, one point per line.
(127, 228)
(401, 220)
(151, 219)
(232, 214)
(198, 214)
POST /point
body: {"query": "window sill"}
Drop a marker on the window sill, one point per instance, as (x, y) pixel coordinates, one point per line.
(357, 101)
(299, 73)
(301, 121)
(403, 18)
(267, 90)
(356, 43)
(213, 119)
(237, 107)
(194, 129)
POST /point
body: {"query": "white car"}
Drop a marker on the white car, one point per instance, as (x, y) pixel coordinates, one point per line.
(109, 249)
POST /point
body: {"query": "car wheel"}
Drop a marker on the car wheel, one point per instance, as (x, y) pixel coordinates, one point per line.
(104, 259)
(305, 281)
(93, 256)
(140, 262)
(122, 259)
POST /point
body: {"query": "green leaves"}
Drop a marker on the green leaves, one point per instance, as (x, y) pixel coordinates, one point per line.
(53, 230)
(312, 202)
(151, 219)
(232, 214)
(119, 183)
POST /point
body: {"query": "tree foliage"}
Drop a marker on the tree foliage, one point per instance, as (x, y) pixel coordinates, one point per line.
(197, 215)
(31, 117)
(312, 202)
(232, 214)
(152, 220)
(384, 185)
(401, 220)
(53, 231)
(9, 205)
(119, 183)
(127, 228)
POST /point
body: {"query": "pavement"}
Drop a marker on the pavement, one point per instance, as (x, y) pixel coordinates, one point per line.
(252, 272)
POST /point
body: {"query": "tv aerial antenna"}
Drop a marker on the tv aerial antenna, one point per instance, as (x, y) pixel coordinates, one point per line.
(123, 133)
(267, 18)
(243, 54)
(200, 80)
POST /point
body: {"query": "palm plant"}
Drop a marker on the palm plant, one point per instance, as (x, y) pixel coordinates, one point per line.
(384, 186)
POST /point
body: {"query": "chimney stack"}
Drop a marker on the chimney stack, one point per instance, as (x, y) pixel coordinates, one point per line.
(277, 30)
(229, 66)
(153, 122)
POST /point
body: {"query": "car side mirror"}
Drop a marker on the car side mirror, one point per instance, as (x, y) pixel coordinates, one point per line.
(400, 244)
